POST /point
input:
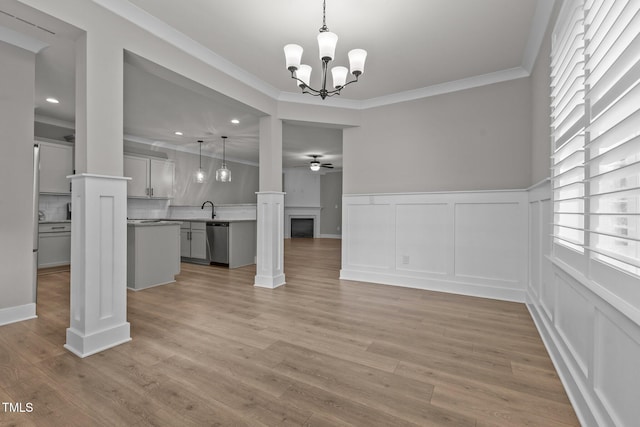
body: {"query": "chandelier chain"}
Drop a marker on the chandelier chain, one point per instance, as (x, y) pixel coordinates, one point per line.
(324, 27)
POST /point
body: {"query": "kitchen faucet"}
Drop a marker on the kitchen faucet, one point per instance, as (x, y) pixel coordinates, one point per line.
(213, 209)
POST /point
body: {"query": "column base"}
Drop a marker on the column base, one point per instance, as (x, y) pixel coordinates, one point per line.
(85, 345)
(270, 240)
(269, 281)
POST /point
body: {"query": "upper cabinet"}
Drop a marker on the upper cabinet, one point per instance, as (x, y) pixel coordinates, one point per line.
(150, 178)
(162, 173)
(56, 163)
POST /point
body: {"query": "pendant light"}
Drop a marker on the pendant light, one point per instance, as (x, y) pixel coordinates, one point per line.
(200, 175)
(223, 174)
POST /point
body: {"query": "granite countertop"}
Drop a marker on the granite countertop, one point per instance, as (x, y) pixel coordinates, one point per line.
(196, 220)
(149, 222)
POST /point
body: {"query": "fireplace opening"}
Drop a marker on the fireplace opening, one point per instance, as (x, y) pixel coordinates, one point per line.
(301, 227)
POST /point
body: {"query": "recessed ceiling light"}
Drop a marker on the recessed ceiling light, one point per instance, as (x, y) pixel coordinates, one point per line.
(178, 133)
(53, 100)
(235, 121)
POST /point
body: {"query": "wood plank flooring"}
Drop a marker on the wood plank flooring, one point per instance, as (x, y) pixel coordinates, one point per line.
(211, 349)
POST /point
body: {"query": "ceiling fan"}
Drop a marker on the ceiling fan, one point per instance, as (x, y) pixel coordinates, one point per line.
(315, 165)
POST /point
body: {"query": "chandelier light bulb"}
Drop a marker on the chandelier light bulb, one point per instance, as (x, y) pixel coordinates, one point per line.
(357, 58)
(304, 74)
(327, 45)
(339, 75)
(293, 56)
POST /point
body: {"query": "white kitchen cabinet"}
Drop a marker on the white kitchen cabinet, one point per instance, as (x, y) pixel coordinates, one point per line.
(150, 178)
(193, 240)
(137, 168)
(56, 163)
(54, 244)
(162, 173)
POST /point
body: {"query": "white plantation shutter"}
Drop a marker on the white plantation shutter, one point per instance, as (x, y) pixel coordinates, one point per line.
(568, 127)
(612, 48)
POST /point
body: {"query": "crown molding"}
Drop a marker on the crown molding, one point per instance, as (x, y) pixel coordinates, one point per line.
(164, 31)
(20, 40)
(53, 121)
(148, 22)
(448, 87)
(410, 95)
(541, 18)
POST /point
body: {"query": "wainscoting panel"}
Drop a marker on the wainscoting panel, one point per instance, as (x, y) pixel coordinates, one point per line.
(472, 243)
(594, 346)
(423, 238)
(573, 320)
(487, 241)
(371, 229)
(615, 367)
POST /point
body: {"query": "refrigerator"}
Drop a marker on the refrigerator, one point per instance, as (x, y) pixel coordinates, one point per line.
(36, 201)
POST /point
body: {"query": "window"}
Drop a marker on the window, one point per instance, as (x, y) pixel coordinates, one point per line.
(613, 94)
(596, 134)
(568, 127)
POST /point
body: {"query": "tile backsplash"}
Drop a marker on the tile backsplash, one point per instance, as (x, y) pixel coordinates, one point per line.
(239, 211)
(54, 207)
(147, 208)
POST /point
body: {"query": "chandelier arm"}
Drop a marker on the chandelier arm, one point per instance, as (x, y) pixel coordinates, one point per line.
(311, 93)
(305, 86)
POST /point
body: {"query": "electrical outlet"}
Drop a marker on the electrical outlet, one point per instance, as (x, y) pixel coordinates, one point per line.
(338, 228)
(405, 259)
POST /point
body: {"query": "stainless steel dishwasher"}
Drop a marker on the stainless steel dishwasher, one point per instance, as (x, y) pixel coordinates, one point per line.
(218, 242)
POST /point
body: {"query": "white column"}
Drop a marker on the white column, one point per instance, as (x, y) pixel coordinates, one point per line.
(99, 268)
(270, 207)
(270, 240)
(99, 200)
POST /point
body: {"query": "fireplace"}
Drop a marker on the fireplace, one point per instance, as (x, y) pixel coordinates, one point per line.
(301, 227)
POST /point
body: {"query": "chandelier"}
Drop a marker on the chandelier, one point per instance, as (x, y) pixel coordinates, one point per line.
(327, 44)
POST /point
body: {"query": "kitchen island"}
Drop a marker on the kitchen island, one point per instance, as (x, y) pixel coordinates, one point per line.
(229, 242)
(153, 253)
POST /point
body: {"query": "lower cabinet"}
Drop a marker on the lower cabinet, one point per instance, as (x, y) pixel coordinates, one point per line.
(54, 244)
(193, 240)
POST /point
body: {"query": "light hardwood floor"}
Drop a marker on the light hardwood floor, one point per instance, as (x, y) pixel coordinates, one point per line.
(212, 349)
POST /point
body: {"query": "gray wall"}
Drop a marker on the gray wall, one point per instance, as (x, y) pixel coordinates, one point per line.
(331, 202)
(16, 176)
(476, 139)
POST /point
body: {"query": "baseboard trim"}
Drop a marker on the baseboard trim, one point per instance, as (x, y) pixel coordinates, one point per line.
(449, 286)
(580, 401)
(330, 236)
(17, 314)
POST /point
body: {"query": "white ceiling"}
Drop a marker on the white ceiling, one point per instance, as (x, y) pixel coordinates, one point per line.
(411, 44)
